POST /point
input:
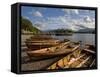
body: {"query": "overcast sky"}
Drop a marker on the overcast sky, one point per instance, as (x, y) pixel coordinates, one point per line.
(57, 18)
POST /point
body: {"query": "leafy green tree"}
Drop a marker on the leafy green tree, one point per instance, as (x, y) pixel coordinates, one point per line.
(28, 26)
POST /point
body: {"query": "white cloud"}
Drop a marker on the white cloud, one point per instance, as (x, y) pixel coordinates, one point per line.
(40, 24)
(37, 13)
(76, 11)
(66, 11)
(70, 11)
(26, 17)
(77, 24)
(85, 23)
(87, 19)
(62, 19)
(65, 23)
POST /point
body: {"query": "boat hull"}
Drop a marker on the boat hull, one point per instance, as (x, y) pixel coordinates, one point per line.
(43, 53)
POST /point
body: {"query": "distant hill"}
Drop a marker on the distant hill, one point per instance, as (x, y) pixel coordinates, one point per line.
(60, 31)
(87, 30)
(70, 31)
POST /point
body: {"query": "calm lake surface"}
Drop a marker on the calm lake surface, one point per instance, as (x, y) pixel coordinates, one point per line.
(85, 38)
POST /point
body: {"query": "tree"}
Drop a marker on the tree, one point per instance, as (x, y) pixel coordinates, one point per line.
(28, 26)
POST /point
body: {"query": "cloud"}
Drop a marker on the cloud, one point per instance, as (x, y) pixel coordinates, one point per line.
(40, 24)
(37, 14)
(77, 24)
(69, 23)
(76, 11)
(26, 17)
(65, 23)
(61, 22)
(87, 19)
(66, 10)
(62, 19)
(86, 22)
(70, 11)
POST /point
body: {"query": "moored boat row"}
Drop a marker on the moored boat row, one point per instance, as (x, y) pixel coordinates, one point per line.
(70, 54)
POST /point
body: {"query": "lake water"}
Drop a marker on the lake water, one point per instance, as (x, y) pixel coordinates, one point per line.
(85, 38)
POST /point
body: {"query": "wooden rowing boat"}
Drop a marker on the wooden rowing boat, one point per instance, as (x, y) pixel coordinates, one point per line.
(89, 48)
(38, 44)
(41, 41)
(59, 50)
(79, 58)
(41, 37)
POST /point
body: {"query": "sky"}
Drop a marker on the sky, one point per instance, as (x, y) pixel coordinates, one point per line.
(45, 18)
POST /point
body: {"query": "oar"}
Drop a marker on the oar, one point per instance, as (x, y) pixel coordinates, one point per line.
(83, 62)
(92, 63)
(89, 51)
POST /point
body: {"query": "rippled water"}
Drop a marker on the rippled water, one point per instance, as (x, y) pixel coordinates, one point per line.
(85, 38)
